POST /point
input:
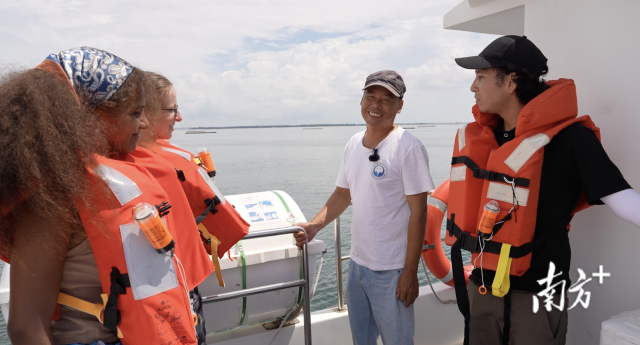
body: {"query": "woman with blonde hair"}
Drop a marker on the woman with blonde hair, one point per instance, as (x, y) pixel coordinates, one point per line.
(220, 224)
(221, 227)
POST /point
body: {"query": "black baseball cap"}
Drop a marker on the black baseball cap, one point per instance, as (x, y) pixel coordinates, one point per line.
(515, 50)
(390, 80)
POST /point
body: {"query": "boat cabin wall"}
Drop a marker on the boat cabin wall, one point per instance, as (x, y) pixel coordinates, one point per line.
(595, 43)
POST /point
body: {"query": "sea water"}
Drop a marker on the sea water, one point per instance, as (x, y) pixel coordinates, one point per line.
(304, 163)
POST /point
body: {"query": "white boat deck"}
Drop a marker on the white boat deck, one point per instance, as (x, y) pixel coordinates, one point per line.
(436, 323)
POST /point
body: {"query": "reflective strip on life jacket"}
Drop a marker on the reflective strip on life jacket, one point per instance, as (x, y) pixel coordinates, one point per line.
(458, 173)
(122, 187)
(503, 192)
(212, 186)
(178, 152)
(525, 150)
(462, 137)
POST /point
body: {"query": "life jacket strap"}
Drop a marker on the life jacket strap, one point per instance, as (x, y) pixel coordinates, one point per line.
(460, 284)
(471, 243)
(489, 175)
(209, 238)
(119, 285)
(211, 208)
(501, 282)
(216, 262)
(500, 177)
(214, 242)
(95, 309)
(466, 161)
(463, 298)
(506, 319)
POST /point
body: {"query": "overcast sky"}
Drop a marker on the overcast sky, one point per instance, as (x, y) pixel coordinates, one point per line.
(253, 62)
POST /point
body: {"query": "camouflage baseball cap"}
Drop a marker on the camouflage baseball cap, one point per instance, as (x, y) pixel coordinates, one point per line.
(390, 80)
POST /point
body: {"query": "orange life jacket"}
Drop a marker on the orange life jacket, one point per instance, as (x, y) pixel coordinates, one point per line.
(219, 217)
(483, 171)
(148, 297)
(197, 262)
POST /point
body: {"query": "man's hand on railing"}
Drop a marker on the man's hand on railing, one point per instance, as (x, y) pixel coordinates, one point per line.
(301, 237)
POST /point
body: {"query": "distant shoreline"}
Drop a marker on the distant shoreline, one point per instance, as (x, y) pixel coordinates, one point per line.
(319, 125)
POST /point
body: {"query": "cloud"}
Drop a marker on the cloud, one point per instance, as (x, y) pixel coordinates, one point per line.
(277, 62)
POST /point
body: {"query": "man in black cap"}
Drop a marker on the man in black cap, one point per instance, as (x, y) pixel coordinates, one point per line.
(528, 151)
(385, 172)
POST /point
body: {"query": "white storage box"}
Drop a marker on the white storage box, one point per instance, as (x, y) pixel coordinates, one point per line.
(268, 260)
(622, 329)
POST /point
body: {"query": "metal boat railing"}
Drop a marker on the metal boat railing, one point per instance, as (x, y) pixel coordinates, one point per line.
(279, 286)
(339, 260)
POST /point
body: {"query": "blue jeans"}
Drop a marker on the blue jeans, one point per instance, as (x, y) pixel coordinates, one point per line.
(374, 309)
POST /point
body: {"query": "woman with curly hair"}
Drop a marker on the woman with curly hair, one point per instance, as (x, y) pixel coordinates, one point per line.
(71, 196)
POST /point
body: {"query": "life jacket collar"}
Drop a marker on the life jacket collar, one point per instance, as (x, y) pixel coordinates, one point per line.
(555, 105)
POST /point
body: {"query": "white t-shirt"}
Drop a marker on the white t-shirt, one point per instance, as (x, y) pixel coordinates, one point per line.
(378, 192)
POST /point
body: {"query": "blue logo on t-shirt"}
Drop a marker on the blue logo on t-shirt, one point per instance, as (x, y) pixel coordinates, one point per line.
(379, 171)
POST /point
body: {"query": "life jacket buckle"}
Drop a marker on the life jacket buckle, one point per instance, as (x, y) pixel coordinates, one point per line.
(163, 209)
(484, 174)
(180, 174)
(468, 242)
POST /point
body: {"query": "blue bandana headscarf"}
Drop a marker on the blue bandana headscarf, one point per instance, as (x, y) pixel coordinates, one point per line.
(95, 74)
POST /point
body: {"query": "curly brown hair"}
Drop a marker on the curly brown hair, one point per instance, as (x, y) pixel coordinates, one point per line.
(45, 150)
(157, 87)
(48, 147)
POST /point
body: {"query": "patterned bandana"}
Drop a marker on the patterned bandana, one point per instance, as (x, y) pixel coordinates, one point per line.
(95, 74)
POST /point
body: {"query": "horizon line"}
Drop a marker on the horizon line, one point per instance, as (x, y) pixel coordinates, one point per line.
(317, 125)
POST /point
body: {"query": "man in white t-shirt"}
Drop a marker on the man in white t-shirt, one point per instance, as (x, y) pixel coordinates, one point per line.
(385, 172)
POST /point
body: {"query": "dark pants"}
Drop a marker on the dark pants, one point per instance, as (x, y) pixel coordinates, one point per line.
(527, 327)
(196, 303)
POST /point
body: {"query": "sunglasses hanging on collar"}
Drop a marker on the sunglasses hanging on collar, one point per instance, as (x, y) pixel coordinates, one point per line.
(374, 156)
